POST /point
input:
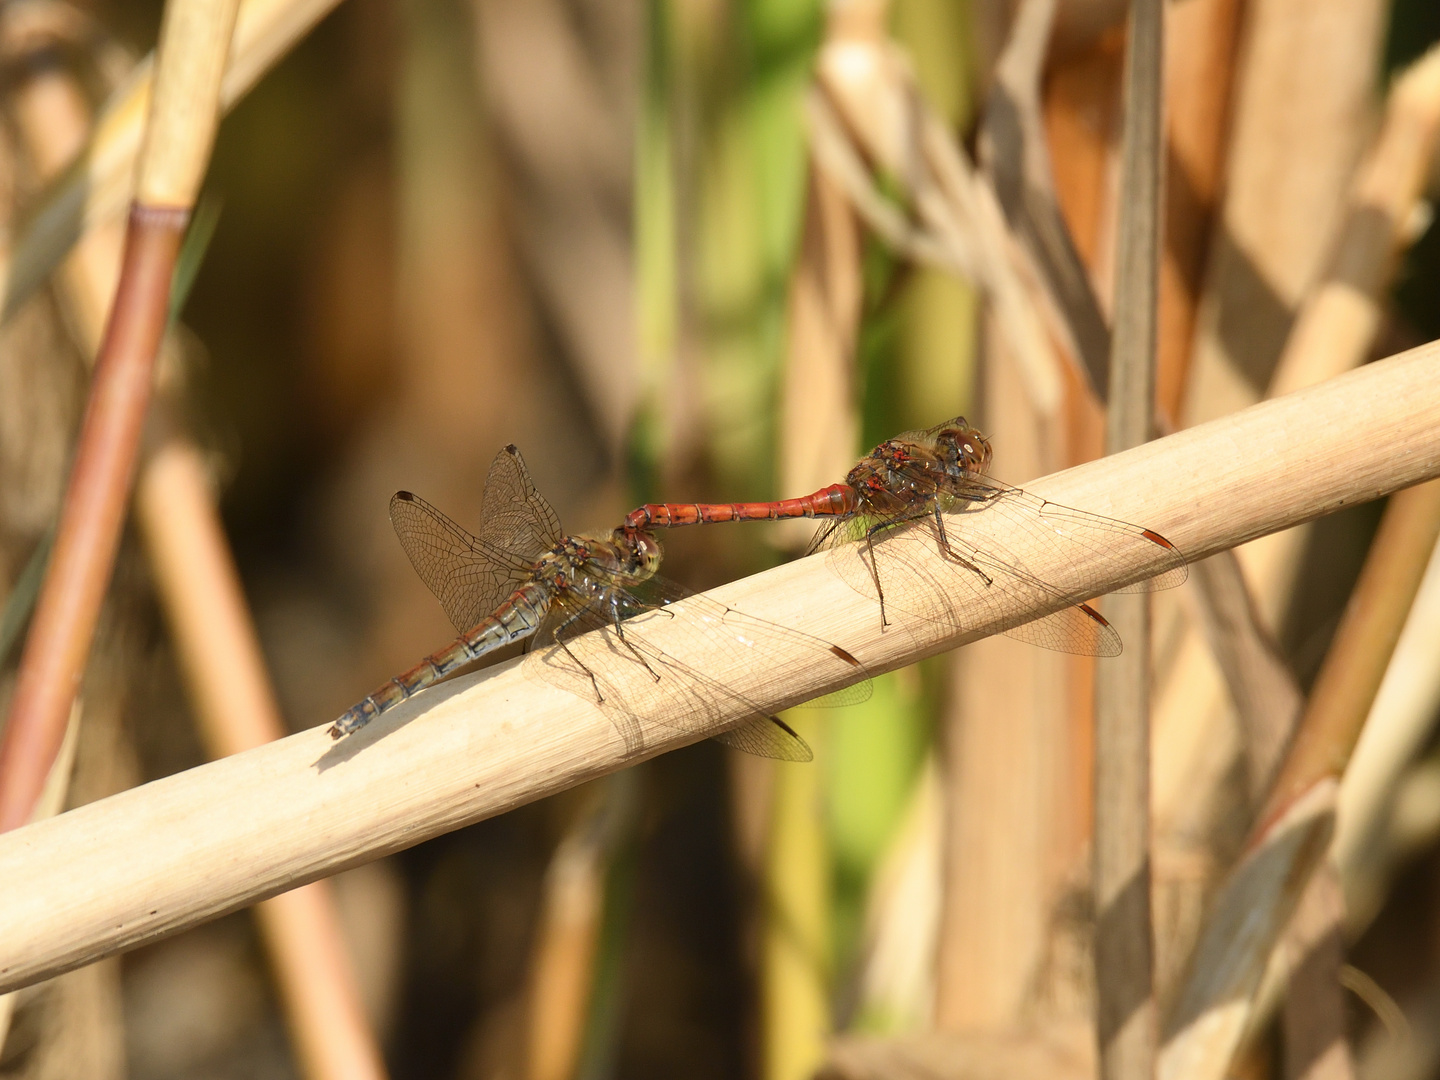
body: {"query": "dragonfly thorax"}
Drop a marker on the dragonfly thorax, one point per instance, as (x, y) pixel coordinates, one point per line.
(581, 564)
(897, 477)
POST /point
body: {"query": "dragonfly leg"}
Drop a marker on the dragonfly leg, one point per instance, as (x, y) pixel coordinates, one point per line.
(870, 535)
(950, 553)
(620, 630)
(875, 569)
(559, 636)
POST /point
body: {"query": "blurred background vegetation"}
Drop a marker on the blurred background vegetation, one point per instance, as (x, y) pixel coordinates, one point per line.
(577, 225)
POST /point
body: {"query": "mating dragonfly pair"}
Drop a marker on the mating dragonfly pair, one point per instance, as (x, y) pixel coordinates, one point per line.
(521, 578)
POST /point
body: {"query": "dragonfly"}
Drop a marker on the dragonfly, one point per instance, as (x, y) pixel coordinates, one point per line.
(882, 526)
(522, 578)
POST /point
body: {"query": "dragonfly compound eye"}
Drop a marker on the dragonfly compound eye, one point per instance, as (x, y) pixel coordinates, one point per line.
(647, 548)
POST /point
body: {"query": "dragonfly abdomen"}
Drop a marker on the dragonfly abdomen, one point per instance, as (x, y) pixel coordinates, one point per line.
(517, 618)
(837, 500)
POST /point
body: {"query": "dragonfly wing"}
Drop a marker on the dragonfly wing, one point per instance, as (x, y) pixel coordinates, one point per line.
(1080, 630)
(761, 636)
(681, 684)
(567, 656)
(768, 737)
(470, 575)
(1089, 542)
(514, 516)
(467, 576)
(974, 586)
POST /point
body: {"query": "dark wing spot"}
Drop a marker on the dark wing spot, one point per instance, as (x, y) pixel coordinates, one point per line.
(404, 496)
(843, 655)
(1090, 611)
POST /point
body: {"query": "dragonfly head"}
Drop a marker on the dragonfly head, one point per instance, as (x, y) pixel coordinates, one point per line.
(641, 547)
(963, 448)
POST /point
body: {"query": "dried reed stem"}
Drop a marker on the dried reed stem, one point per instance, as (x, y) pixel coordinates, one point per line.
(1003, 781)
(1345, 688)
(1017, 158)
(50, 803)
(796, 966)
(1400, 721)
(568, 935)
(1303, 97)
(102, 182)
(1386, 187)
(820, 422)
(195, 38)
(1199, 74)
(1294, 827)
(1124, 937)
(173, 853)
(1335, 328)
(90, 518)
(214, 635)
(230, 690)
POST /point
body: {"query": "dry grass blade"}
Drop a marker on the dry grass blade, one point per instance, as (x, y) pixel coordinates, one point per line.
(1124, 936)
(1215, 1004)
(195, 38)
(1201, 41)
(165, 856)
(1017, 157)
(1399, 723)
(1208, 1018)
(873, 90)
(837, 156)
(1261, 686)
(1355, 665)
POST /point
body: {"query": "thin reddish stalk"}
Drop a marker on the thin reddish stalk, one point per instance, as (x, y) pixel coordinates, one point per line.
(92, 513)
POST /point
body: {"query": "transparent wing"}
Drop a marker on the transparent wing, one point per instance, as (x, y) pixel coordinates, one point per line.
(514, 516)
(769, 737)
(693, 682)
(1064, 528)
(470, 575)
(467, 577)
(989, 539)
(761, 635)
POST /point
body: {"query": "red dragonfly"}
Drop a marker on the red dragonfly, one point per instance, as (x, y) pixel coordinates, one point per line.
(521, 577)
(894, 502)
